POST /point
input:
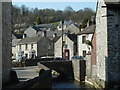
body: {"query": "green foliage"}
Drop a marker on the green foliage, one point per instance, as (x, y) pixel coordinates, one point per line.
(88, 43)
(24, 14)
(38, 21)
(55, 24)
(19, 32)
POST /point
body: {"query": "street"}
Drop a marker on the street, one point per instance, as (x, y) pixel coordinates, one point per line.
(26, 73)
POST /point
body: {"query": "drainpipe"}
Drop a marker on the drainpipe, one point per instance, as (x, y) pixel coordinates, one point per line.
(62, 37)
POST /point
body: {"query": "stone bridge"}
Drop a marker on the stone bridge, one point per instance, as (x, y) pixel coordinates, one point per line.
(74, 69)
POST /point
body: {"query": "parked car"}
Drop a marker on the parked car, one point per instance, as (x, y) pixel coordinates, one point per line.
(45, 57)
(76, 57)
(58, 58)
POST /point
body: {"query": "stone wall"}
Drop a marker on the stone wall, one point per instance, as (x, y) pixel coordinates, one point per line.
(79, 69)
(64, 68)
(107, 45)
(113, 59)
(74, 69)
(43, 81)
(0, 46)
(5, 40)
(88, 66)
(101, 43)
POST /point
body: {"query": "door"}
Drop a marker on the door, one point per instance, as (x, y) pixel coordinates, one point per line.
(66, 54)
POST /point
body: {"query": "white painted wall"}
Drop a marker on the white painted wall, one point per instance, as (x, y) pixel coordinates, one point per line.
(83, 47)
(70, 45)
(58, 47)
(26, 51)
(14, 52)
(60, 28)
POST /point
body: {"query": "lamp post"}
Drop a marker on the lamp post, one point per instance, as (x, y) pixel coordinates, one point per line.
(62, 37)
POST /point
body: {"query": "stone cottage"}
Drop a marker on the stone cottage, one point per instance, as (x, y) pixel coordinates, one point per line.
(15, 39)
(32, 47)
(85, 34)
(65, 25)
(69, 46)
(38, 30)
(72, 29)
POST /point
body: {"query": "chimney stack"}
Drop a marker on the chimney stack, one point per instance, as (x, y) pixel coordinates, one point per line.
(24, 35)
(88, 23)
(45, 34)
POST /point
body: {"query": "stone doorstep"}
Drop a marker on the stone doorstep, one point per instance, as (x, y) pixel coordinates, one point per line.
(91, 82)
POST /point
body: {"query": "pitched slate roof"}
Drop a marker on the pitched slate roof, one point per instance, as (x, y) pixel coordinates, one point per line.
(56, 39)
(39, 27)
(15, 41)
(59, 33)
(36, 28)
(17, 36)
(87, 30)
(29, 40)
(112, 1)
(44, 25)
(73, 29)
(66, 23)
(73, 37)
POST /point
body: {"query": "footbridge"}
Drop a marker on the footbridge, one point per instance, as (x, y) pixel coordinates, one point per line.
(73, 69)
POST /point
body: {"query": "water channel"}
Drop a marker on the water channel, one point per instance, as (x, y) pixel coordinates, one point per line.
(29, 72)
(70, 84)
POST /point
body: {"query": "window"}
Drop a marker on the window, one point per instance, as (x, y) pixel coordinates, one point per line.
(83, 39)
(63, 43)
(26, 47)
(84, 53)
(31, 46)
(65, 46)
(49, 46)
(19, 46)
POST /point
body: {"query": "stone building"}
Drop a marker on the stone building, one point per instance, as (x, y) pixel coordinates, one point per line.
(38, 30)
(85, 34)
(66, 24)
(15, 39)
(69, 46)
(5, 42)
(31, 47)
(105, 70)
(72, 29)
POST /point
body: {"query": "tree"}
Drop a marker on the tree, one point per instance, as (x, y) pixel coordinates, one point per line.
(38, 20)
(68, 8)
(28, 16)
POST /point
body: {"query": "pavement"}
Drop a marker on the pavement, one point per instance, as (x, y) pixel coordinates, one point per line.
(26, 73)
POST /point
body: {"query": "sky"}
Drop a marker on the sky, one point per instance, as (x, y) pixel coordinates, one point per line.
(57, 5)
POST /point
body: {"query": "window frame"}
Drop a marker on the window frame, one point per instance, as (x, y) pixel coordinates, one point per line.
(83, 39)
(26, 46)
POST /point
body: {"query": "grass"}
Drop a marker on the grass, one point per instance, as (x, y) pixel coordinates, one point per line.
(55, 24)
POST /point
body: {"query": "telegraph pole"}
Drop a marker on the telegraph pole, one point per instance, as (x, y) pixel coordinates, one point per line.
(62, 36)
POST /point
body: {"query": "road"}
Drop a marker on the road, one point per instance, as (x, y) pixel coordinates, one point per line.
(26, 73)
